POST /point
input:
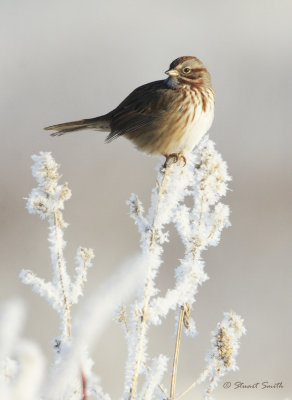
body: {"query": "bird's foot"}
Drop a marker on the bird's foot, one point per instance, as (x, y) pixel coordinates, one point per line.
(174, 158)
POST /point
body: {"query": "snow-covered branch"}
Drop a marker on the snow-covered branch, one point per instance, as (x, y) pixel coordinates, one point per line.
(47, 200)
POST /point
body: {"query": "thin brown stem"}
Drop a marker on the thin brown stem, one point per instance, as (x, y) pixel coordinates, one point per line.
(201, 379)
(176, 353)
(84, 384)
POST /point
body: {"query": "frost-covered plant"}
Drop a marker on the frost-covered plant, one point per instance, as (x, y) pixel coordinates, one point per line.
(73, 366)
(224, 348)
(22, 364)
(47, 200)
(204, 180)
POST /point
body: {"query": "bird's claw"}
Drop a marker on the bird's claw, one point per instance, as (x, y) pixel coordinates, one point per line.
(174, 158)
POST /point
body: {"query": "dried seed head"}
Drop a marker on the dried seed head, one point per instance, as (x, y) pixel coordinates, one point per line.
(224, 348)
(225, 342)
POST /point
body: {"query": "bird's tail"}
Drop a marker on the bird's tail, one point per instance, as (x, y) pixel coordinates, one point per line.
(99, 124)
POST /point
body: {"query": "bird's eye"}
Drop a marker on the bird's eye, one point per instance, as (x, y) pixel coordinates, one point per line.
(187, 70)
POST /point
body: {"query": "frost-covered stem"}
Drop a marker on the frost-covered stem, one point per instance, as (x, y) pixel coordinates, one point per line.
(142, 334)
(160, 386)
(147, 290)
(201, 379)
(81, 279)
(62, 272)
(47, 200)
(161, 189)
(176, 353)
(211, 385)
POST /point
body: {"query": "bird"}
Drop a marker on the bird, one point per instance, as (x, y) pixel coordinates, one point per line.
(166, 117)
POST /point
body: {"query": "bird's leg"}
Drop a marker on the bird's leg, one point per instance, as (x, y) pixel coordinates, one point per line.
(174, 158)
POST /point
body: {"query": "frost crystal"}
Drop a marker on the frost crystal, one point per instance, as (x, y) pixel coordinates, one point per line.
(204, 179)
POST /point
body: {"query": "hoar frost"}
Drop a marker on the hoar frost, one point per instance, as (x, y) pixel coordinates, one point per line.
(204, 180)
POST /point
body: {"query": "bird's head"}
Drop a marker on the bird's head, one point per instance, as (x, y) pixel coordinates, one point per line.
(188, 71)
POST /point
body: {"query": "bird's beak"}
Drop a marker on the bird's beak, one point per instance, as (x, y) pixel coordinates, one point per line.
(172, 72)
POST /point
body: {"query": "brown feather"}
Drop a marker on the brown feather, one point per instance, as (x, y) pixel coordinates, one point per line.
(99, 123)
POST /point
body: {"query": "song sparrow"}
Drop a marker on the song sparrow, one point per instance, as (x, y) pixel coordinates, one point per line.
(166, 117)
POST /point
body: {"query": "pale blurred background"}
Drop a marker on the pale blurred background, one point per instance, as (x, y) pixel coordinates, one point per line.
(66, 59)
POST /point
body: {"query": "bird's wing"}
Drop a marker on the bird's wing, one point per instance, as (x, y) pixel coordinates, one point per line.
(141, 110)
